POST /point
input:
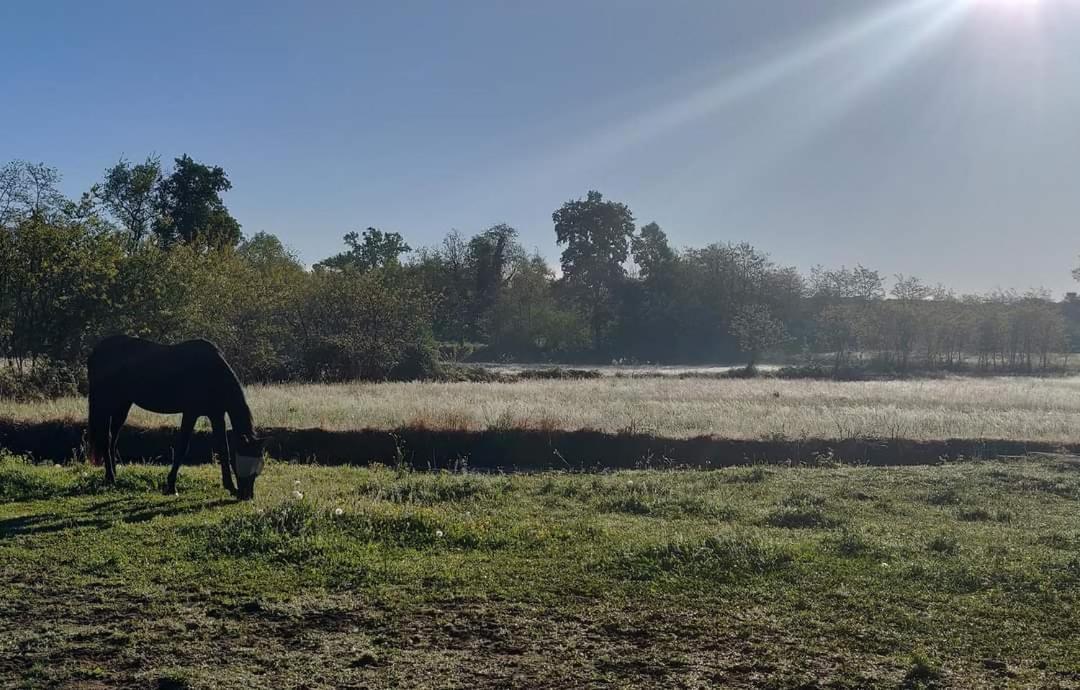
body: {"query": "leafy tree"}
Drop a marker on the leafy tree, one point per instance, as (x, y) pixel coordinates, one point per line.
(360, 325)
(527, 320)
(757, 331)
(190, 208)
(374, 249)
(57, 287)
(130, 193)
(596, 234)
(652, 253)
(493, 256)
(29, 189)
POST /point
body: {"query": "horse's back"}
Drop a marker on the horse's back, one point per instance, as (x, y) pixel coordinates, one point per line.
(158, 377)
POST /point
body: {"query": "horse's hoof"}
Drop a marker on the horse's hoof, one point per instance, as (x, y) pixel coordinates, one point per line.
(170, 491)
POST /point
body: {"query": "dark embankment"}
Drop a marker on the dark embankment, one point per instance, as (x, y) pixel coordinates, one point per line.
(520, 450)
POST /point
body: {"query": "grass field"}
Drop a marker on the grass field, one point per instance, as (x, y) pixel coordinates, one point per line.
(963, 575)
(1026, 409)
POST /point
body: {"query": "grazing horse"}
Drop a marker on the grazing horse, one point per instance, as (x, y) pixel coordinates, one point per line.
(191, 378)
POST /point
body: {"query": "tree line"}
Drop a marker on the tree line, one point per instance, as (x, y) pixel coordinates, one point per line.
(154, 252)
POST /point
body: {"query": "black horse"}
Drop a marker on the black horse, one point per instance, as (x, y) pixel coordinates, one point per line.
(191, 378)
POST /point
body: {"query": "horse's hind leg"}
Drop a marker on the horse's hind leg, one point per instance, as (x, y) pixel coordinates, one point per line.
(221, 447)
(98, 421)
(116, 422)
(183, 442)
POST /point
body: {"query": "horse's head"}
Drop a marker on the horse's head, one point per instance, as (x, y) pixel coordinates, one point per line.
(249, 464)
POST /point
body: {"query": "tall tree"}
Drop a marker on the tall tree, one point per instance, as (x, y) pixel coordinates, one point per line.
(597, 235)
(493, 254)
(130, 192)
(652, 253)
(374, 249)
(190, 207)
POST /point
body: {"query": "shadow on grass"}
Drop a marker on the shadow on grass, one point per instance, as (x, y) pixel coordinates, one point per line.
(118, 511)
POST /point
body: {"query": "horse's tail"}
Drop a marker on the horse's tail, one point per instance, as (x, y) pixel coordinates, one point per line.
(96, 424)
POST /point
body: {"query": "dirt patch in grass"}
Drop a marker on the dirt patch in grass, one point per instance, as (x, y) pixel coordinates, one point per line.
(89, 636)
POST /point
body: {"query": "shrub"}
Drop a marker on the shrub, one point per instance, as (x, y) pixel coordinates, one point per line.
(45, 379)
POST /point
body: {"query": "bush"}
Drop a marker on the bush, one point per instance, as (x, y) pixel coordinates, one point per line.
(558, 373)
(45, 379)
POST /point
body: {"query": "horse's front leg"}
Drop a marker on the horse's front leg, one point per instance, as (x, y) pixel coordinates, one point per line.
(183, 442)
(221, 446)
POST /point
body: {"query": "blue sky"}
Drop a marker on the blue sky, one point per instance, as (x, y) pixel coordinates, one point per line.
(931, 137)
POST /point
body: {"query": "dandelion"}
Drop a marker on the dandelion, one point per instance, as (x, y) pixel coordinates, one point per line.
(438, 533)
(297, 495)
(296, 482)
(339, 512)
(884, 564)
(629, 482)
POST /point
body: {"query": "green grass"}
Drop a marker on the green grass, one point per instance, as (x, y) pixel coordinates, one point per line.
(964, 575)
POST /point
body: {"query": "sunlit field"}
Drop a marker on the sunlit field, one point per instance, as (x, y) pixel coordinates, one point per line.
(1030, 409)
(962, 575)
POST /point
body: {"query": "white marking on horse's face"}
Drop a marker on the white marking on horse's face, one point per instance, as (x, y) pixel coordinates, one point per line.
(248, 466)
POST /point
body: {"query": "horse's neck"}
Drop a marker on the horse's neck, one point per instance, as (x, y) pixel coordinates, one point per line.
(240, 415)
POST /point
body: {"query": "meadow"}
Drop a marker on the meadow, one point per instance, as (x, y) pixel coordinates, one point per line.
(956, 575)
(1007, 408)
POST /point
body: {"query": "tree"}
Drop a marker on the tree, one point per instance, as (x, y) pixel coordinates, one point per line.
(652, 253)
(190, 209)
(359, 325)
(757, 331)
(130, 194)
(29, 189)
(493, 254)
(374, 249)
(597, 235)
(57, 287)
(527, 319)
(857, 283)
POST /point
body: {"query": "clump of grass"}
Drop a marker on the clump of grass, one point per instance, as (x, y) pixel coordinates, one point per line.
(944, 545)
(712, 558)
(974, 515)
(922, 673)
(944, 497)
(801, 499)
(429, 489)
(752, 476)
(801, 510)
(801, 518)
(1059, 540)
(852, 544)
(633, 505)
(983, 515)
(287, 529)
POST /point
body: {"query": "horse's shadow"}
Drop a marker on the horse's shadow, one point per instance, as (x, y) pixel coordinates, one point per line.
(91, 516)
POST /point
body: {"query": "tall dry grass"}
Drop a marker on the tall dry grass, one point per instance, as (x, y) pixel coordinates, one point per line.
(1002, 408)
